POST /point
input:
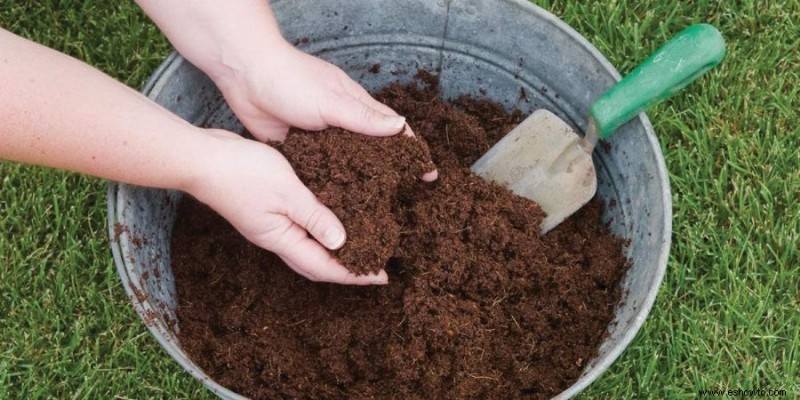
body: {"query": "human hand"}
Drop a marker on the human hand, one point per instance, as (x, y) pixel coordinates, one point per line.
(253, 186)
(269, 84)
(279, 87)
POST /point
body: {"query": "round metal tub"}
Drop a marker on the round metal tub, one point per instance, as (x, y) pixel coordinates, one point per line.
(489, 48)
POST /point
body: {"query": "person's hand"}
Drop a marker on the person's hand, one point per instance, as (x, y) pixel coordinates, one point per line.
(269, 84)
(281, 86)
(253, 186)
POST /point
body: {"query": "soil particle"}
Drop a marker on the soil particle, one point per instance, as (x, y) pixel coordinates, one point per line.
(478, 304)
(139, 294)
(119, 229)
(139, 242)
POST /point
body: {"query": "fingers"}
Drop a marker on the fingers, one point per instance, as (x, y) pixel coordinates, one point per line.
(363, 96)
(305, 255)
(266, 129)
(305, 210)
(309, 259)
(428, 176)
(350, 113)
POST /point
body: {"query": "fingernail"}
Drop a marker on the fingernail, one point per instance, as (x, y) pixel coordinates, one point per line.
(334, 238)
(431, 176)
(398, 123)
(408, 131)
(380, 279)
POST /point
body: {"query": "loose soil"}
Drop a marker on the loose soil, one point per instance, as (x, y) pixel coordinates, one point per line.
(478, 305)
(361, 179)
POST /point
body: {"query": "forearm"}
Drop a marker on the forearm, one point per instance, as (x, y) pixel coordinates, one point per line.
(59, 112)
(216, 36)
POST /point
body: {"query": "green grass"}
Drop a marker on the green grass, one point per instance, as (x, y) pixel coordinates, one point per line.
(68, 330)
(726, 317)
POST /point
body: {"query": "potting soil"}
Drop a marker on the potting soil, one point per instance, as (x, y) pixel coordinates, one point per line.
(479, 306)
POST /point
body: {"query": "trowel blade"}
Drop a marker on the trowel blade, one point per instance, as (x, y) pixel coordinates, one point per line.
(542, 159)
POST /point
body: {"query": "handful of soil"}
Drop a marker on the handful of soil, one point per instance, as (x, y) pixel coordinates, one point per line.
(478, 304)
(359, 178)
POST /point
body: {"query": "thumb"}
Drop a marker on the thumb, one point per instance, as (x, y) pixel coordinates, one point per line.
(308, 212)
(266, 129)
(349, 113)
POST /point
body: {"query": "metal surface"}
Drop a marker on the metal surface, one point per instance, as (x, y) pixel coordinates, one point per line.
(544, 160)
(506, 50)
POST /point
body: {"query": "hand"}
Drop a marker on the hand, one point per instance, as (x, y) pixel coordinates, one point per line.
(281, 87)
(269, 84)
(253, 186)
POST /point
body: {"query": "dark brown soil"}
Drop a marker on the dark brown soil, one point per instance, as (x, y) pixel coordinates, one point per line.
(360, 178)
(478, 305)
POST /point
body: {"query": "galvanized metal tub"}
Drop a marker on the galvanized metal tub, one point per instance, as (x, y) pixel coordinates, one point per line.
(490, 48)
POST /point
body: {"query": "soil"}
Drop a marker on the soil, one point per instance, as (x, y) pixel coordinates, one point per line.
(352, 175)
(478, 306)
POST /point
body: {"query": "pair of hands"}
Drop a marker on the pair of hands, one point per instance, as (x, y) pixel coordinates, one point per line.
(253, 186)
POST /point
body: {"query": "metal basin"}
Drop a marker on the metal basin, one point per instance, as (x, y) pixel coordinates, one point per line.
(491, 48)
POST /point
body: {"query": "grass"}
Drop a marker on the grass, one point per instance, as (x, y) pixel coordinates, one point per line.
(726, 317)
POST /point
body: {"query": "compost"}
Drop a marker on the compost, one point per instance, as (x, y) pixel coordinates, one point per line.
(479, 306)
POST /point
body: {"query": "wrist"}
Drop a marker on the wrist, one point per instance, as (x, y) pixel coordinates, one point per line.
(191, 163)
(200, 171)
(217, 37)
(247, 33)
(237, 62)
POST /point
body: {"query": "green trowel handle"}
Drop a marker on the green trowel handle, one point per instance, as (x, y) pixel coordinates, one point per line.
(683, 59)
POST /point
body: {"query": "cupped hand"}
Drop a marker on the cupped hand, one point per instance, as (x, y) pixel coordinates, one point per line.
(280, 87)
(253, 186)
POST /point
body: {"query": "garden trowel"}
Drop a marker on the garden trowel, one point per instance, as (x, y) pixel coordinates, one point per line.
(544, 160)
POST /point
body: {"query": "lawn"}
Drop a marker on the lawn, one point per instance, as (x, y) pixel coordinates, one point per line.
(727, 316)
